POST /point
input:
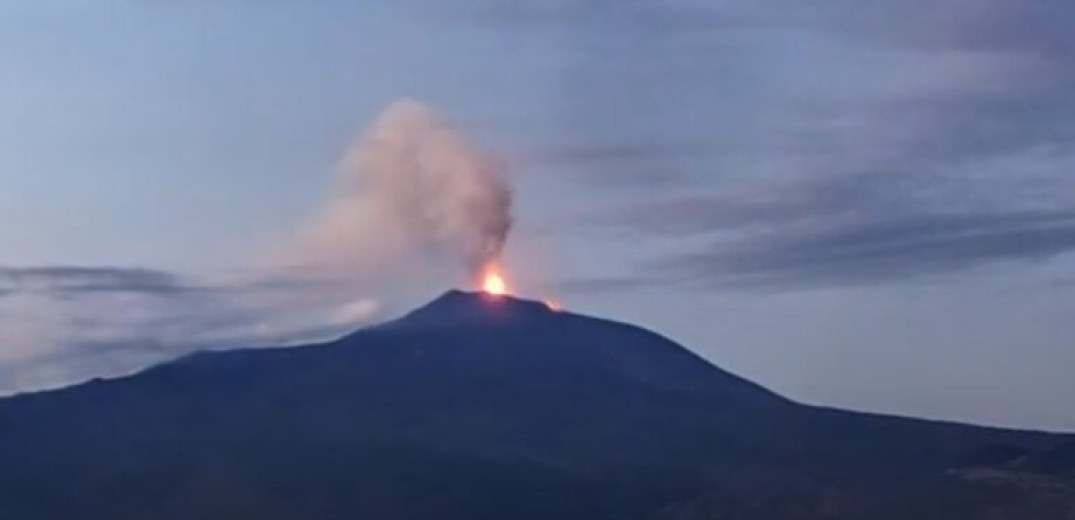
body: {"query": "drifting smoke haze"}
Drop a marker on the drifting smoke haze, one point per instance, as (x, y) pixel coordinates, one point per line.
(412, 197)
(413, 189)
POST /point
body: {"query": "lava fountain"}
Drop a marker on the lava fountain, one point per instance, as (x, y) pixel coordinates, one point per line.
(493, 281)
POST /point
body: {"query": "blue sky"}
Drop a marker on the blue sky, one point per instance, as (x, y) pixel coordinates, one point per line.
(854, 203)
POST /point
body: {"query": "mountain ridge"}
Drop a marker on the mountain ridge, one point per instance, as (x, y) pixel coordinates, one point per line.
(467, 393)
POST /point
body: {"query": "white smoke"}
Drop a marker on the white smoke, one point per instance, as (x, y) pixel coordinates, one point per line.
(412, 187)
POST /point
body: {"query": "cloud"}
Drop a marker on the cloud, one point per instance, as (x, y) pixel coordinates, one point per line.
(848, 229)
(846, 142)
(882, 251)
(605, 284)
(978, 25)
(818, 88)
(29, 325)
(68, 279)
(63, 325)
(356, 312)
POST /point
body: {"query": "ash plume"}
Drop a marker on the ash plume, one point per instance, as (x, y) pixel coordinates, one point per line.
(412, 187)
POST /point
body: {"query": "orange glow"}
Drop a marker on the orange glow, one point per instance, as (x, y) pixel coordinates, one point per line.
(554, 305)
(493, 282)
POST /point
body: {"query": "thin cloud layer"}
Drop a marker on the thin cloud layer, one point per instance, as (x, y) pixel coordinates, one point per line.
(879, 251)
(847, 142)
(72, 279)
(851, 229)
(61, 325)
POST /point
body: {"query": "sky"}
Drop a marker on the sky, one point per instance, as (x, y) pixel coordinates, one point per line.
(857, 204)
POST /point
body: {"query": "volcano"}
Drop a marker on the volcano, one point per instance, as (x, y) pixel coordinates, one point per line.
(491, 407)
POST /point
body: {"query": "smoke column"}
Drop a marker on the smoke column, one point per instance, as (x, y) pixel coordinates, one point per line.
(412, 186)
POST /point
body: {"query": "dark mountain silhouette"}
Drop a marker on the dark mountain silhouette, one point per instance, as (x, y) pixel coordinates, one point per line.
(477, 407)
